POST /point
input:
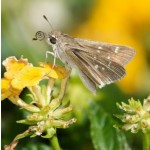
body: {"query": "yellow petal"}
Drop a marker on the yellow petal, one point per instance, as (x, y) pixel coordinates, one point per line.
(7, 90)
(56, 72)
(28, 76)
(5, 84)
(13, 66)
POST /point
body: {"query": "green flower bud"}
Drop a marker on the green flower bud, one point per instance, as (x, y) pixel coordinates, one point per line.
(135, 116)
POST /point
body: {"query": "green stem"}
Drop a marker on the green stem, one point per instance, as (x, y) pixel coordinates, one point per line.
(146, 141)
(55, 143)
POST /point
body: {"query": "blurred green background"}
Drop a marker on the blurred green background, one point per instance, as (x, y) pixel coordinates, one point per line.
(123, 22)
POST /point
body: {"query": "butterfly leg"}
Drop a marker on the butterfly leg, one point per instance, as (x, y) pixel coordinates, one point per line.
(48, 52)
(54, 60)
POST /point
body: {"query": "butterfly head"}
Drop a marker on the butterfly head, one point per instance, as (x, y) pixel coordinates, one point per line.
(51, 37)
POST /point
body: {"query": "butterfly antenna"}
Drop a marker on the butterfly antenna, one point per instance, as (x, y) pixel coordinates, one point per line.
(47, 21)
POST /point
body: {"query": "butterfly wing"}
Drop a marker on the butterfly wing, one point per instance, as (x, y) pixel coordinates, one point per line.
(116, 53)
(98, 63)
(101, 70)
(87, 79)
(95, 72)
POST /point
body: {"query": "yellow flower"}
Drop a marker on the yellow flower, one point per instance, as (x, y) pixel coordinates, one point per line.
(46, 112)
(20, 74)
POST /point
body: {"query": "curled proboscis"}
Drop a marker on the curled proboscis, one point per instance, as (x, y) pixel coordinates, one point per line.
(39, 36)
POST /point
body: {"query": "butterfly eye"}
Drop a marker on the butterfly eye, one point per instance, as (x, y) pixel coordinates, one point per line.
(52, 40)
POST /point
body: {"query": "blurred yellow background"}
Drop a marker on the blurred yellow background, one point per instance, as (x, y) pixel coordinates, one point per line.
(124, 22)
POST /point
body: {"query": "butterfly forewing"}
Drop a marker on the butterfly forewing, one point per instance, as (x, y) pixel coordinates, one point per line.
(117, 53)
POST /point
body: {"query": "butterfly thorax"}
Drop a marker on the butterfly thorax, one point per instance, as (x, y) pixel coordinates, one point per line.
(60, 43)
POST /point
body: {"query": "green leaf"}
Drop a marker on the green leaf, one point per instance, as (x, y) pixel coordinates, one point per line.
(104, 135)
